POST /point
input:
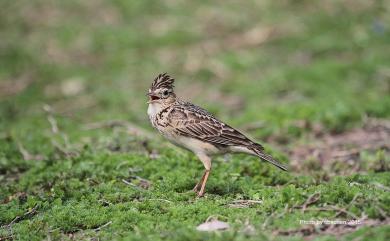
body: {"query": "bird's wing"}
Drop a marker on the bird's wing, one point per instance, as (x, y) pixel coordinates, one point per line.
(192, 121)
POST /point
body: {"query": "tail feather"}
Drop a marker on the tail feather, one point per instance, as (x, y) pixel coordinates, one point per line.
(259, 152)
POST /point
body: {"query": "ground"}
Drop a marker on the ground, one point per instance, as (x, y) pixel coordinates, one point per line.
(309, 80)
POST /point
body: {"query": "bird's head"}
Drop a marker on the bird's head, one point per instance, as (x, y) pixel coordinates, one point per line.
(161, 90)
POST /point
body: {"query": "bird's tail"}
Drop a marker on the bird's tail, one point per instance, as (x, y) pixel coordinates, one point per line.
(258, 150)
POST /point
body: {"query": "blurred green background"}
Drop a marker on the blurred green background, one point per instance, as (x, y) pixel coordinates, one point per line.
(275, 69)
(271, 61)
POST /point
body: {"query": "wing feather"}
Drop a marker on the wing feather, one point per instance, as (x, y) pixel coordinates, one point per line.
(195, 122)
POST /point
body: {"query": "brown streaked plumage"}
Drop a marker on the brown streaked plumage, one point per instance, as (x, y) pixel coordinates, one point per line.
(193, 128)
(162, 81)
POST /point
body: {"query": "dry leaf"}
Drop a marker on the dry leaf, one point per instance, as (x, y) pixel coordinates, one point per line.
(212, 225)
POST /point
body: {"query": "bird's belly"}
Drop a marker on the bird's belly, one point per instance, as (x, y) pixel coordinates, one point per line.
(194, 145)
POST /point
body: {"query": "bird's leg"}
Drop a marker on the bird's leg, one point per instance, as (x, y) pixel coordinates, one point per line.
(205, 177)
(206, 160)
(198, 185)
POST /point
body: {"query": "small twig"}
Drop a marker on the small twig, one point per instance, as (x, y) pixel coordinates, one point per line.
(274, 215)
(247, 201)
(312, 199)
(353, 200)
(53, 124)
(243, 203)
(131, 184)
(139, 178)
(333, 208)
(342, 210)
(53, 230)
(18, 218)
(103, 226)
(134, 169)
(349, 205)
(56, 131)
(27, 156)
(63, 150)
(346, 153)
(266, 221)
(144, 183)
(66, 140)
(381, 186)
(51, 119)
(126, 182)
(157, 199)
(305, 231)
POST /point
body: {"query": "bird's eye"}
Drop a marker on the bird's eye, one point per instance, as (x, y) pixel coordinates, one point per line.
(165, 93)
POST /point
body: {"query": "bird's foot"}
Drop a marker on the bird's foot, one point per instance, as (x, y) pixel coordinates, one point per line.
(196, 188)
(200, 194)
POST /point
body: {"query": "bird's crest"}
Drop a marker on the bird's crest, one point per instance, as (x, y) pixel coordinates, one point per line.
(163, 81)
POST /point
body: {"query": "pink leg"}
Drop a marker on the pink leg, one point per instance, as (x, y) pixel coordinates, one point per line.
(206, 160)
(198, 185)
(206, 176)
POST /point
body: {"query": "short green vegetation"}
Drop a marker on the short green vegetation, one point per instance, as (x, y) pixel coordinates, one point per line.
(79, 159)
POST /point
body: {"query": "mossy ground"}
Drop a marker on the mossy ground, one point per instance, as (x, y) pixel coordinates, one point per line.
(68, 68)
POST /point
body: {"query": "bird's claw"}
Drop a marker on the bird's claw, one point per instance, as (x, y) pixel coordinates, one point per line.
(199, 194)
(196, 188)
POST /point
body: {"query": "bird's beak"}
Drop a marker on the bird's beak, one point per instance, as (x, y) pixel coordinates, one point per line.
(152, 97)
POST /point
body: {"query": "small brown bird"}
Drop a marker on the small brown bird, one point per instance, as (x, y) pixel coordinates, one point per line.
(193, 128)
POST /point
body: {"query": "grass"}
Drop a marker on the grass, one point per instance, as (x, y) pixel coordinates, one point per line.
(68, 68)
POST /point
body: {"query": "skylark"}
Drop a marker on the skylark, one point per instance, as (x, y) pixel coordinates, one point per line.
(193, 128)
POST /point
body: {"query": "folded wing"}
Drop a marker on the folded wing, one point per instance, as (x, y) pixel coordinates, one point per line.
(192, 121)
(195, 122)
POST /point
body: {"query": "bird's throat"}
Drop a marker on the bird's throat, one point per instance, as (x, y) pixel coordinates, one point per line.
(154, 108)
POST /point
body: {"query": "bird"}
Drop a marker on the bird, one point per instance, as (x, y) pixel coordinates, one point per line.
(193, 128)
